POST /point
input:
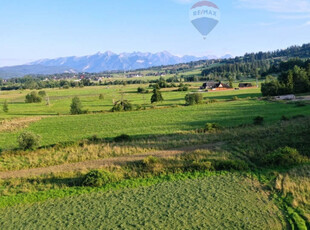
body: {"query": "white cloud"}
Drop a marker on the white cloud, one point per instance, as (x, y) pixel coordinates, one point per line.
(278, 6)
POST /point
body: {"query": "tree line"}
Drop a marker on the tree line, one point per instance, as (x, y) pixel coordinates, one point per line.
(294, 78)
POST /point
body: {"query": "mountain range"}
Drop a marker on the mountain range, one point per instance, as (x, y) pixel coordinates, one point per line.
(100, 62)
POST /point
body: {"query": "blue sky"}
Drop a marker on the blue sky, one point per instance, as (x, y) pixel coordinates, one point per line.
(35, 29)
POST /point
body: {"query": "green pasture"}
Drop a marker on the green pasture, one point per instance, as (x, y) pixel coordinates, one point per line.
(55, 129)
(60, 99)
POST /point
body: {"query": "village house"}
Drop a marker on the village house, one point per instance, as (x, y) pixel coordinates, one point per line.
(214, 86)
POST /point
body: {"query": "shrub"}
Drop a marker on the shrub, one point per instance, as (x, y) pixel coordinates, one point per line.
(120, 106)
(258, 120)
(193, 98)
(183, 88)
(211, 127)
(231, 165)
(96, 178)
(141, 90)
(101, 96)
(28, 141)
(76, 106)
(122, 138)
(42, 93)
(156, 97)
(284, 157)
(33, 98)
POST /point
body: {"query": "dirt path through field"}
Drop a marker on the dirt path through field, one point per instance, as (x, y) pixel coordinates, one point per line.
(95, 164)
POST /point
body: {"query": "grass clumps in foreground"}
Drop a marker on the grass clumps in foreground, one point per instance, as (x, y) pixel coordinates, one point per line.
(96, 178)
(223, 202)
(294, 187)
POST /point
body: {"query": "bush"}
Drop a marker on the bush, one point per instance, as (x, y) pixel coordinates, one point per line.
(231, 165)
(42, 93)
(96, 178)
(156, 97)
(101, 96)
(284, 157)
(211, 127)
(121, 106)
(258, 120)
(141, 90)
(183, 88)
(33, 98)
(28, 141)
(122, 138)
(76, 106)
(193, 98)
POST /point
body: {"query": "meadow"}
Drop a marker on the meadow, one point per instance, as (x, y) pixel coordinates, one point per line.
(55, 124)
(60, 99)
(258, 197)
(217, 202)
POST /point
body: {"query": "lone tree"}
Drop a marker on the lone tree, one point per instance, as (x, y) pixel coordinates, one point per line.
(5, 106)
(76, 106)
(156, 97)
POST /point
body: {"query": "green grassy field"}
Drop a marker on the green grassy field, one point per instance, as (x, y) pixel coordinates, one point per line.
(221, 201)
(218, 202)
(60, 99)
(57, 129)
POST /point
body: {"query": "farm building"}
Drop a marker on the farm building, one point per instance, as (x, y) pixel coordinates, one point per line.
(245, 85)
(214, 85)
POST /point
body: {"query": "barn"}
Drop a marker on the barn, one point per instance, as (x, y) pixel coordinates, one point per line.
(245, 85)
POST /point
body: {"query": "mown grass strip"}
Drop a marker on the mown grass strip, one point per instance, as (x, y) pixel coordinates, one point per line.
(19, 199)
